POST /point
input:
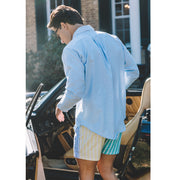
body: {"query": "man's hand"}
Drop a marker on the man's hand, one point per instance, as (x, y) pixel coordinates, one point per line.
(59, 115)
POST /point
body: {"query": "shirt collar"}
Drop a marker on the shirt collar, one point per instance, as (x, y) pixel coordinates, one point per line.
(82, 29)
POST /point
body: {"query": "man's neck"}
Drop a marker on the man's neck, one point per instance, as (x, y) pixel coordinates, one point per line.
(75, 27)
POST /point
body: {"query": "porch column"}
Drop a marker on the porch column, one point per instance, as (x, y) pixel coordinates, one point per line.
(135, 30)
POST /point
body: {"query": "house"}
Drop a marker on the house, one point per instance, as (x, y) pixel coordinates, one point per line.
(128, 19)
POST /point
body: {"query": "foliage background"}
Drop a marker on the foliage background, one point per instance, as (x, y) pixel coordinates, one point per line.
(45, 65)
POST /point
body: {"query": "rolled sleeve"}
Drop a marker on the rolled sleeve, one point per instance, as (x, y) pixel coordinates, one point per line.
(74, 71)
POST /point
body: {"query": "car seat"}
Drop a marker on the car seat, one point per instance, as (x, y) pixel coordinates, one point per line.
(130, 136)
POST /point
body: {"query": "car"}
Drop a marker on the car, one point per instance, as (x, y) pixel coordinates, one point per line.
(29, 96)
(145, 127)
(49, 143)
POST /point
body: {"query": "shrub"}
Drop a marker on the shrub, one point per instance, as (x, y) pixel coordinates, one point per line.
(45, 65)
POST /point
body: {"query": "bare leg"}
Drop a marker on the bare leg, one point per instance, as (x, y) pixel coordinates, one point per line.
(86, 169)
(105, 167)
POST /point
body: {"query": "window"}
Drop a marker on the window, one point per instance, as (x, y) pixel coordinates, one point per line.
(120, 19)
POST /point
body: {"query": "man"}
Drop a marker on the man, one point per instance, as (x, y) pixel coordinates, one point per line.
(99, 69)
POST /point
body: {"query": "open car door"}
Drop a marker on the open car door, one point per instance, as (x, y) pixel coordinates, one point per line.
(34, 166)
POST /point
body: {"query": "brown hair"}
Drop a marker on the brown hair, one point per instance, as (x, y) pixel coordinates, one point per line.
(65, 14)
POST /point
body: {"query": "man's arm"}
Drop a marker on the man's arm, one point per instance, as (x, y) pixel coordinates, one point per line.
(74, 71)
(131, 69)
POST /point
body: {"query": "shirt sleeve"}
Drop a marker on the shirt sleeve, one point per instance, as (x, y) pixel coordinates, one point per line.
(130, 67)
(74, 71)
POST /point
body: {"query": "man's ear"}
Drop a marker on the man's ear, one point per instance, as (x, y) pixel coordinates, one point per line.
(64, 25)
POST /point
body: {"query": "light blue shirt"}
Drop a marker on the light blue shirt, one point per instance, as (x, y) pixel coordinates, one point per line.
(99, 69)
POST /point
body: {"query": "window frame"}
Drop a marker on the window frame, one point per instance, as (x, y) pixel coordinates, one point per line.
(116, 17)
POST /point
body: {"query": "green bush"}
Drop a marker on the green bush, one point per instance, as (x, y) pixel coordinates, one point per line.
(45, 65)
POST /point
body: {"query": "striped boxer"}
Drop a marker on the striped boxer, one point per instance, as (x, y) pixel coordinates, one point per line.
(89, 145)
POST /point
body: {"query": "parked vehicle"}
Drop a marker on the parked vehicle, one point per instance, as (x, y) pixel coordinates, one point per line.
(31, 94)
(49, 144)
(145, 126)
